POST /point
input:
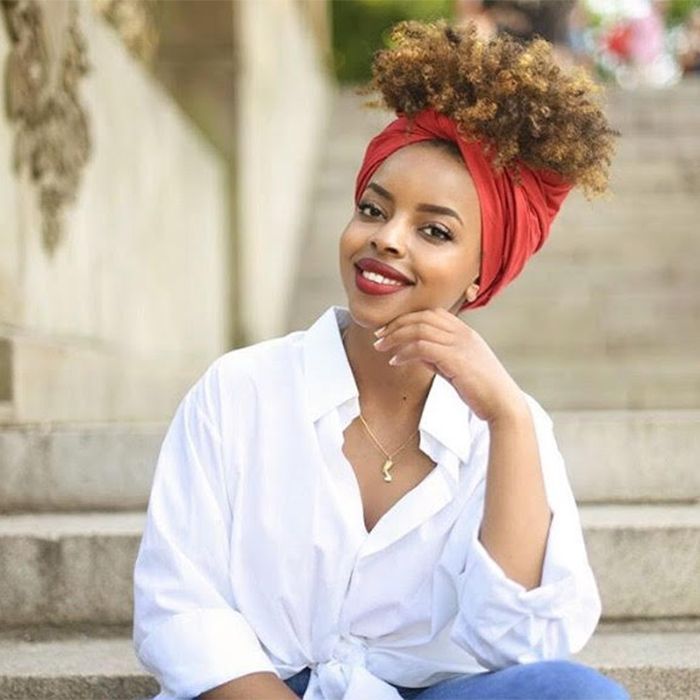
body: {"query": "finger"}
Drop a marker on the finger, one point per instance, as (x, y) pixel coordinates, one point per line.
(424, 351)
(412, 333)
(425, 316)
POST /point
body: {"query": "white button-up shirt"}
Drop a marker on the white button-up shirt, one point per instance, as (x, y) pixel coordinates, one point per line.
(255, 556)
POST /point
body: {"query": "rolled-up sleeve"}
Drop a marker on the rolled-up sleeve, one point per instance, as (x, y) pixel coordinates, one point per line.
(187, 632)
(500, 622)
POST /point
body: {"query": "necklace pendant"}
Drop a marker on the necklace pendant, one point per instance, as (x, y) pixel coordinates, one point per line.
(385, 470)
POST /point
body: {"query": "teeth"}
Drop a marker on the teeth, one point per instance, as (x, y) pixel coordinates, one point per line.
(380, 279)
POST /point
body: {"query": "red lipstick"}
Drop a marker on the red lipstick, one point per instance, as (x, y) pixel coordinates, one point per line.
(372, 265)
(369, 286)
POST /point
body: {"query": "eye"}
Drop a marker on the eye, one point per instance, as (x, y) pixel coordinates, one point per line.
(368, 209)
(439, 233)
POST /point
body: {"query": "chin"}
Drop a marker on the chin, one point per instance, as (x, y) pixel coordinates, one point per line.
(366, 313)
(366, 317)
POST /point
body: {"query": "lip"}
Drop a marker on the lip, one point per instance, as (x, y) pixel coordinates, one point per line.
(372, 265)
(375, 288)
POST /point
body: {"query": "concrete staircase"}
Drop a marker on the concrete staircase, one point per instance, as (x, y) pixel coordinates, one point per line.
(603, 328)
(72, 502)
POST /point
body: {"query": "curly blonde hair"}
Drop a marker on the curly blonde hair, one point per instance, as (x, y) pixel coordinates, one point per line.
(510, 95)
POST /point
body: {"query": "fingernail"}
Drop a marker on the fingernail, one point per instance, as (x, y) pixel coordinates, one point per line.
(379, 331)
(392, 361)
(377, 342)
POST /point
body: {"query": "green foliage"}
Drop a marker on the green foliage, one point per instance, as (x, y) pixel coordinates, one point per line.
(678, 10)
(361, 27)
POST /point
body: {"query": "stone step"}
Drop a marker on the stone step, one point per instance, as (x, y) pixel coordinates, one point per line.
(630, 289)
(580, 382)
(589, 336)
(7, 412)
(686, 90)
(619, 223)
(651, 665)
(641, 456)
(78, 568)
(662, 176)
(68, 568)
(77, 467)
(650, 146)
(75, 666)
(641, 326)
(611, 456)
(646, 558)
(655, 119)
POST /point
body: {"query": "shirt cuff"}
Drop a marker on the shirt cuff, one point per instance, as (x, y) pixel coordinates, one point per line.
(501, 622)
(198, 650)
(486, 581)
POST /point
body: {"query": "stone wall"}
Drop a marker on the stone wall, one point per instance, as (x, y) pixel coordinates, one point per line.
(283, 99)
(111, 308)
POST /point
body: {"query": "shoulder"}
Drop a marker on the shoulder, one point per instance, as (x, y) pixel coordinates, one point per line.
(241, 375)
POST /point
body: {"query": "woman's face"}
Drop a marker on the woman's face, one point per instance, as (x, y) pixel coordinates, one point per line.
(419, 215)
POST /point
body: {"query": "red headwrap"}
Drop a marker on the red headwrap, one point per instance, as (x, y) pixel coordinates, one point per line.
(515, 217)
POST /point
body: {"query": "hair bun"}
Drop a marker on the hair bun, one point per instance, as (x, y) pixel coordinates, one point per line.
(509, 94)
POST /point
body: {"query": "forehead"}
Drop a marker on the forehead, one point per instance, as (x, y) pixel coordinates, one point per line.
(427, 172)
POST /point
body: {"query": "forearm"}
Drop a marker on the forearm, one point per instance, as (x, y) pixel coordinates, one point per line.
(516, 518)
(254, 686)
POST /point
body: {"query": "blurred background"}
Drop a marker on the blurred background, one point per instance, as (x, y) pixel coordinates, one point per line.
(174, 178)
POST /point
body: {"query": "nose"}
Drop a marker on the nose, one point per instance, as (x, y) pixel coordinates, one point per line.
(390, 238)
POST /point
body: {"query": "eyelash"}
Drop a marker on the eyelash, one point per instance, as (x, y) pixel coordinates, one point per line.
(445, 234)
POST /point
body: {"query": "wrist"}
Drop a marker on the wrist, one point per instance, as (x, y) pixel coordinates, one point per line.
(512, 412)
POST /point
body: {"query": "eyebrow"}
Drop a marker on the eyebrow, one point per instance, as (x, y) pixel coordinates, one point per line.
(432, 208)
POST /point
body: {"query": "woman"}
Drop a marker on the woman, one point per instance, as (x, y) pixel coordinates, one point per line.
(373, 509)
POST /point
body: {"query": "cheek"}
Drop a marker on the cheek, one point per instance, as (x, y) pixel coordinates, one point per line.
(351, 239)
(458, 267)
(452, 274)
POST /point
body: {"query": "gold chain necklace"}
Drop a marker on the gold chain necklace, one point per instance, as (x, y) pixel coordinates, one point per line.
(386, 467)
(389, 463)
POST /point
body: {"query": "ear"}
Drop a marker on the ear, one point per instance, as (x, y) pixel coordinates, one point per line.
(472, 291)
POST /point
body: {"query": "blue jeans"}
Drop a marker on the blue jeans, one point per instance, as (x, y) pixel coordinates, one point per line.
(541, 680)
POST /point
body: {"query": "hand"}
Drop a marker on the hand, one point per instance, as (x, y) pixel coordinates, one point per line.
(449, 347)
(263, 685)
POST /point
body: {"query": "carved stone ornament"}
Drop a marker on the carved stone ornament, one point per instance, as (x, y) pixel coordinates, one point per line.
(135, 22)
(43, 69)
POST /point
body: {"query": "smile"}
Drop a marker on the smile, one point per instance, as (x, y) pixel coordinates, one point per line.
(375, 277)
(374, 283)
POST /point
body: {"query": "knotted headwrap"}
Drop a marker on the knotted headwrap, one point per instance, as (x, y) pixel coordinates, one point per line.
(515, 216)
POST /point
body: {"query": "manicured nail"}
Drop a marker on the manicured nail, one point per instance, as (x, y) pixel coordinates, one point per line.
(378, 342)
(393, 360)
(379, 331)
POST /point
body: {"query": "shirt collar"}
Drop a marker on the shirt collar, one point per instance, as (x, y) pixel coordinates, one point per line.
(329, 378)
(330, 383)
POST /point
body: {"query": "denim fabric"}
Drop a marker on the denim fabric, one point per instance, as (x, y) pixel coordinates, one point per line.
(543, 680)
